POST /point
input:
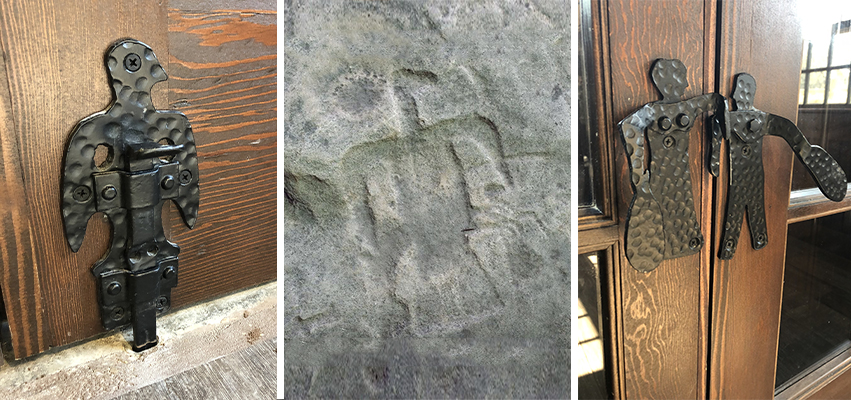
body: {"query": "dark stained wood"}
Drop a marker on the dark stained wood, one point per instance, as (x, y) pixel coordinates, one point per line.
(838, 385)
(599, 79)
(221, 61)
(54, 66)
(223, 76)
(661, 310)
(810, 203)
(22, 298)
(762, 38)
(833, 370)
(598, 239)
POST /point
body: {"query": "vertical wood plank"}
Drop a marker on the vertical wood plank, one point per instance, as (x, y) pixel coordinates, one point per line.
(762, 38)
(661, 311)
(56, 76)
(19, 285)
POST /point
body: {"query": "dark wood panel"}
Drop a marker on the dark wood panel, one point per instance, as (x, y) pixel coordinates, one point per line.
(54, 65)
(762, 38)
(660, 311)
(22, 298)
(223, 74)
(810, 203)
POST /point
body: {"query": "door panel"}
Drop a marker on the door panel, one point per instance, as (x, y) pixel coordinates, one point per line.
(221, 75)
(763, 39)
(661, 311)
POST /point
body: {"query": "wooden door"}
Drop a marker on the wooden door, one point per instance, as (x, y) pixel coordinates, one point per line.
(221, 61)
(697, 326)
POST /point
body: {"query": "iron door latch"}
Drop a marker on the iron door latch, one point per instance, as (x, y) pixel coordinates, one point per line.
(661, 222)
(148, 157)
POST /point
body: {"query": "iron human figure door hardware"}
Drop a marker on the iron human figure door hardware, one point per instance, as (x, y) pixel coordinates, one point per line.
(150, 158)
(661, 222)
(745, 129)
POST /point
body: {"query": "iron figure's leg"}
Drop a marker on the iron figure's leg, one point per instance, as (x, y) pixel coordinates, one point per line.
(737, 199)
(732, 223)
(756, 198)
(645, 245)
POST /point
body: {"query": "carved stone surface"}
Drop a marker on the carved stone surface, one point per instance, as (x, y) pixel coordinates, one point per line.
(427, 205)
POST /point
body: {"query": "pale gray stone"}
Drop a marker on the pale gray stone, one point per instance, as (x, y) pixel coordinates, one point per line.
(427, 183)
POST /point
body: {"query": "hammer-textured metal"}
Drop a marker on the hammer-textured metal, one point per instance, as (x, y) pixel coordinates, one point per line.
(661, 222)
(151, 158)
(746, 127)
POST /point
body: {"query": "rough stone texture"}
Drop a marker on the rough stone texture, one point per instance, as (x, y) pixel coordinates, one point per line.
(427, 203)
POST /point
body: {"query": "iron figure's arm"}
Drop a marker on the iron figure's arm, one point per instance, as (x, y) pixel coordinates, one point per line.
(827, 173)
(632, 132)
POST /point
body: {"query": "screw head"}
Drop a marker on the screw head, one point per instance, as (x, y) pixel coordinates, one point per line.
(82, 193)
(760, 239)
(683, 120)
(114, 288)
(185, 177)
(754, 125)
(664, 123)
(669, 141)
(132, 62)
(117, 313)
(694, 243)
(162, 303)
(746, 150)
(169, 273)
(728, 245)
(109, 192)
(167, 182)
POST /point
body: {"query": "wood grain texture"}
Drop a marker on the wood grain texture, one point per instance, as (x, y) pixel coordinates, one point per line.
(762, 38)
(660, 311)
(222, 75)
(54, 65)
(22, 298)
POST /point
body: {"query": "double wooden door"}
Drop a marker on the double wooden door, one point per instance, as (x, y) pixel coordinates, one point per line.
(220, 58)
(697, 326)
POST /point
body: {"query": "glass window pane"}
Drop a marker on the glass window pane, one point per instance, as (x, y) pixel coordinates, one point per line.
(588, 331)
(838, 92)
(801, 89)
(841, 49)
(815, 92)
(820, 48)
(815, 319)
(590, 167)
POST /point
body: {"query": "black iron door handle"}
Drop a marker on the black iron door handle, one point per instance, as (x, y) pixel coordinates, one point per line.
(661, 222)
(746, 128)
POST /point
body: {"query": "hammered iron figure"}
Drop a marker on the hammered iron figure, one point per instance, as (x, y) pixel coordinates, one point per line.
(661, 222)
(745, 128)
(150, 157)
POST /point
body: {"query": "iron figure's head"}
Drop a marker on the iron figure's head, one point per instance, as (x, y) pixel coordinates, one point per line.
(669, 76)
(744, 92)
(134, 69)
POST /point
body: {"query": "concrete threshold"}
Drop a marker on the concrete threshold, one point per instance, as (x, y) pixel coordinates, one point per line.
(106, 366)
